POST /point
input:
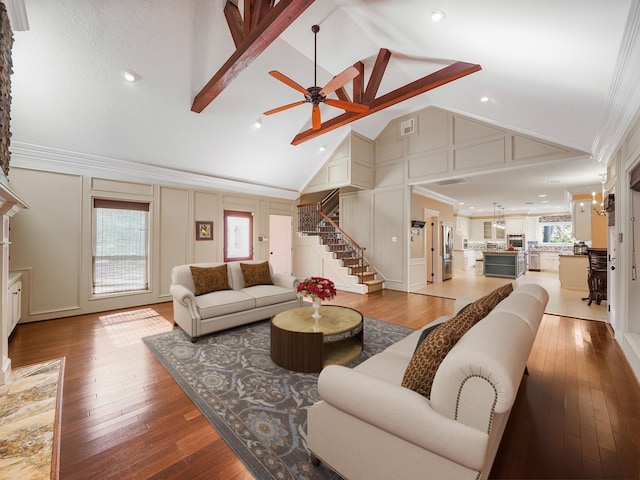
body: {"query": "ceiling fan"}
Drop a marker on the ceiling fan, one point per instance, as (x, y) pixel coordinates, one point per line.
(316, 95)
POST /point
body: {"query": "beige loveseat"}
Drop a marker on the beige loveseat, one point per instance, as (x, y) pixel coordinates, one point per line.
(369, 426)
(232, 303)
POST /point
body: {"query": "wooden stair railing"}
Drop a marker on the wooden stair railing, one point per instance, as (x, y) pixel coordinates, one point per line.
(313, 221)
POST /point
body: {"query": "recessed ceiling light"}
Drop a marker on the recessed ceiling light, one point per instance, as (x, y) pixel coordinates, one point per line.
(257, 123)
(542, 195)
(460, 203)
(130, 76)
(484, 99)
(437, 15)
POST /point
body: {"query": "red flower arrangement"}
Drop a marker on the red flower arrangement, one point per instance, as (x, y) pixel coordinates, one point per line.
(317, 287)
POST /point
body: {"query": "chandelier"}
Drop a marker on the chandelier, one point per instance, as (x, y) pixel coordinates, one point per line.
(598, 209)
(498, 221)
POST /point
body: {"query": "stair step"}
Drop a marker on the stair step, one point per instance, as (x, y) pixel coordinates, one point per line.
(367, 276)
(349, 262)
(355, 270)
(374, 285)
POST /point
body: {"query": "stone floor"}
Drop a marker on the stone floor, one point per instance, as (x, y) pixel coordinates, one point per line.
(564, 302)
(28, 422)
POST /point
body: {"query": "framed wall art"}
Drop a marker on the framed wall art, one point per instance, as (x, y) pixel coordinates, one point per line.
(204, 230)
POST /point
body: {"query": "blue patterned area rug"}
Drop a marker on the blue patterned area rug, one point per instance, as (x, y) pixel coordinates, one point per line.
(258, 408)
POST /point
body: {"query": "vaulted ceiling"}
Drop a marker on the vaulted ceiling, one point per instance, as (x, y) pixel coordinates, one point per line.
(553, 70)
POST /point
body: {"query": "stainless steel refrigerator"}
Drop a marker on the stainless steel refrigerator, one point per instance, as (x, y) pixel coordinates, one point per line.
(447, 252)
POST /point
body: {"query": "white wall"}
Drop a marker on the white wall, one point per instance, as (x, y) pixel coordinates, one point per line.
(52, 243)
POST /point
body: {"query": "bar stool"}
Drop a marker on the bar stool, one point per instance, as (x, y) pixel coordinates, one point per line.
(597, 278)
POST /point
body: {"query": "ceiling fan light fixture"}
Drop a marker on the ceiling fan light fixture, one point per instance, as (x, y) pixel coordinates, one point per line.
(437, 15)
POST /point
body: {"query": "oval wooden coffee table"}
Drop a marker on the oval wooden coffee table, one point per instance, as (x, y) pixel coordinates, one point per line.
(301, 344)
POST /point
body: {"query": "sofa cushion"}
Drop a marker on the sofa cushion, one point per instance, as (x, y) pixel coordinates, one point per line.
(424, 363)
(265, 295)
(256, 274)
(224, 302)
(210, 279)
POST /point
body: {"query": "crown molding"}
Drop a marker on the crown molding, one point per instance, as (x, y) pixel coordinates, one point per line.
(17, 13)
(424, 192)
(624, 96)
(36, 157)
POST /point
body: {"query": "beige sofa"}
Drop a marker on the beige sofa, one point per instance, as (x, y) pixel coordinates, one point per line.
(368, 426)
(238, 305)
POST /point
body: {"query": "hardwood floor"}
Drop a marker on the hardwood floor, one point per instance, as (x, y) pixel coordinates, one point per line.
(576, 415)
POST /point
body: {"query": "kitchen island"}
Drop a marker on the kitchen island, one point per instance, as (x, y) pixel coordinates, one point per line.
(574, 270)
(504, 263)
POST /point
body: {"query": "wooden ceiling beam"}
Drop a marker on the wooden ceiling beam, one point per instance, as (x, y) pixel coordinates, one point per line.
(234, 20)
(260, 10)
(358, 83)
(343, 95)
(274, 23)
(376, 75)
(441, 77)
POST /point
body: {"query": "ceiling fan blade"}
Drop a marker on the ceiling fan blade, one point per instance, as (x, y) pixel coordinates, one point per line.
(315, 117)
(285, 107)
(339, 80)
(287, 81)
(348, 106)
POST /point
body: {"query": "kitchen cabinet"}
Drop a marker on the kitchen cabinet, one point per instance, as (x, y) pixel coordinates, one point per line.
(514, 225)
(532, 229)
(476, 230)
(483, 230)
(462, 227)
(549, 261)
(15, 300)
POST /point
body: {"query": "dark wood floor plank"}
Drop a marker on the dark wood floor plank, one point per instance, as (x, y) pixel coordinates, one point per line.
(576, 415)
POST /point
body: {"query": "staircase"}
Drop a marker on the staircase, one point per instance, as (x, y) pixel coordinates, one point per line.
(346, 252)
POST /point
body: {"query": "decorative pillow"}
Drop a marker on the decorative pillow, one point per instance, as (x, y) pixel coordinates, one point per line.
(256, 274)
(495, 297)
(425, 333)
(425, 361)
(429, 354)
(210, 279)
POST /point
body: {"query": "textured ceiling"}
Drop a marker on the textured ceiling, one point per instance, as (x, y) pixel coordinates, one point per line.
(549, 68)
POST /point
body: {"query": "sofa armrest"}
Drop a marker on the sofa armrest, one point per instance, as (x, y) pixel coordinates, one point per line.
(285, 281)
(182, 295)
(402, 412)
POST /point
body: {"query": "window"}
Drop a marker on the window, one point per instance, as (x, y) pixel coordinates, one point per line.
(120, 246)
(238, 235)
(557, 233)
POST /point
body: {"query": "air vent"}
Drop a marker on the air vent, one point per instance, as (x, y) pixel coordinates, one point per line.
(453, 181)
(407, 127)
(555, 182)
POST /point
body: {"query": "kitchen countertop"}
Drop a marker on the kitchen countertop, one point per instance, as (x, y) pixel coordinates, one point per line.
(503, 252)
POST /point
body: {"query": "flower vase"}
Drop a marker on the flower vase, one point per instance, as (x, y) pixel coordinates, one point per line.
(316, 309)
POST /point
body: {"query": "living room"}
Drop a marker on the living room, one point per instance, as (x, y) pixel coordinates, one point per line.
(59, 172)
